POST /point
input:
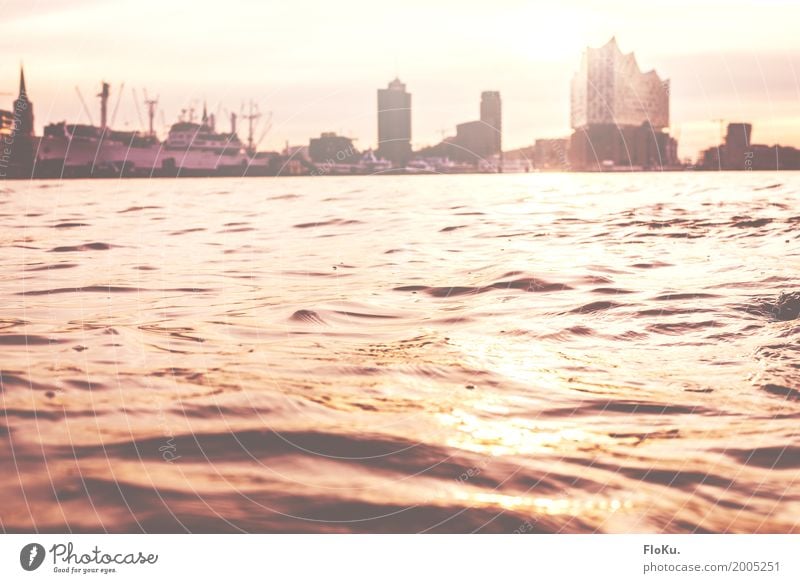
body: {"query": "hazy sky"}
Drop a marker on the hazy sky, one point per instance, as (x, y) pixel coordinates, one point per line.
(317, 64)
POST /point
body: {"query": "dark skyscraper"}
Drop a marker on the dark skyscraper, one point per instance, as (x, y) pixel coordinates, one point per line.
(394, 123)
(492, 115)
(738, 154)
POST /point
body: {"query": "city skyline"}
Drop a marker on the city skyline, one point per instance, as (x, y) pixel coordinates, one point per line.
(741, 65)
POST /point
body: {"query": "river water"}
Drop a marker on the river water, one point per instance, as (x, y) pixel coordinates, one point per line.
(497, 353)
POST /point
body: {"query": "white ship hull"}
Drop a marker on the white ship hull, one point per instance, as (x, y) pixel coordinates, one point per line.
(62, 156)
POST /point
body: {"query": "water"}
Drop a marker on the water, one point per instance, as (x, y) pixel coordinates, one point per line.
(517, 353)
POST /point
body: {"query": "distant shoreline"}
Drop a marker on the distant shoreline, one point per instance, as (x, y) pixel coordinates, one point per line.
(392, 174)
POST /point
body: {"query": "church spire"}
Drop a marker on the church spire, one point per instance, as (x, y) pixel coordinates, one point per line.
(23, 108)
(22, 91)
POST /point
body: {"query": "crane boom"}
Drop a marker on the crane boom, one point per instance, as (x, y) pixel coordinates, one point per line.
(85, 107)
(116, 105)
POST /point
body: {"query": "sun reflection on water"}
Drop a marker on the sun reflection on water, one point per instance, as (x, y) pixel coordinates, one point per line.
(515, 436)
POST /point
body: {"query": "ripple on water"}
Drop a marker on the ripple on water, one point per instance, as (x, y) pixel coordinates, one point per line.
(307, 317)
(500, 353)
(28, 340)
(85, 247)
(526, 284)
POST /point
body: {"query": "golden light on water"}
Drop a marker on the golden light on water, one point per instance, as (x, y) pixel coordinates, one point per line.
(545, 505)
(518, 361)
(515, 436)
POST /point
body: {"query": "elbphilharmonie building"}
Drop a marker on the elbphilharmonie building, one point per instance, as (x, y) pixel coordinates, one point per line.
(619, 114)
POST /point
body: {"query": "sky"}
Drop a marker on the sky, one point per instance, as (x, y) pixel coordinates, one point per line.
(316, 65)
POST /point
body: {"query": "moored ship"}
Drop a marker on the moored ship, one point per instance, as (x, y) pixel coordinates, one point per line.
(191, 149)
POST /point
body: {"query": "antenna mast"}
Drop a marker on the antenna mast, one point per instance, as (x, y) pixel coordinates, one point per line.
(251, 117)
(103, 95)
(151, 111)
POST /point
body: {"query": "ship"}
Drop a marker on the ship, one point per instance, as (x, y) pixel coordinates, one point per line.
(190, 149)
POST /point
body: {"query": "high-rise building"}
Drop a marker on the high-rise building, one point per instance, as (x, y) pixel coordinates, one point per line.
(618, 113)
(476, 142)
(738, 152)
(394, 123)
(492, 116)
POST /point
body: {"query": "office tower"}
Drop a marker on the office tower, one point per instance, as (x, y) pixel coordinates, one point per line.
(737, 152)
(492, 116)
(394, 123)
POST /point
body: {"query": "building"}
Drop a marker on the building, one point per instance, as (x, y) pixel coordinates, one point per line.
(478, 143)
(619, 114)
(23, 110)
(609, 88)
(474, 141)
(17, 150)
(394, 123)
(739, 153)
(7, 123)
(551, 154)
(737, 146)
(332, 149)
(492, 117)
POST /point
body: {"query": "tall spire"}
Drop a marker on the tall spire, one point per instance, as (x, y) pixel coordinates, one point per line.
(205, 113)
(22, 91)
(23, 108)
